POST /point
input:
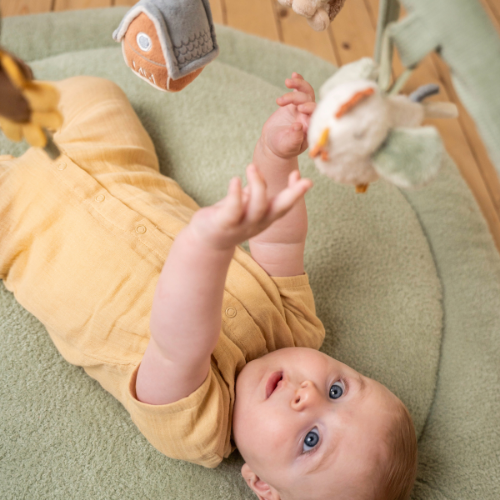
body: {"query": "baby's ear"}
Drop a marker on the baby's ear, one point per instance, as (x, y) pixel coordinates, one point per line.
(263, 490)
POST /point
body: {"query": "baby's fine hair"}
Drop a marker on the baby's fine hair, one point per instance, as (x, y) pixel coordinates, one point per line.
(396, 477)
(401, 469)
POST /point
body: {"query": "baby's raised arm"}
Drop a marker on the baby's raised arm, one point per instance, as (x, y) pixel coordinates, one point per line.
(280, 248)
(186, 312)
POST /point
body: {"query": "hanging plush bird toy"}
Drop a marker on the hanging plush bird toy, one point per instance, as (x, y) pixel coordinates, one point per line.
(167, 43)
(358, 133)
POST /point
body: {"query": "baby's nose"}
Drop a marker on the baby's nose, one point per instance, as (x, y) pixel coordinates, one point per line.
(306, 395)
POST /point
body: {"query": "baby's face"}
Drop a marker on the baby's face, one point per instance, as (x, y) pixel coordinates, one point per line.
(309, 424)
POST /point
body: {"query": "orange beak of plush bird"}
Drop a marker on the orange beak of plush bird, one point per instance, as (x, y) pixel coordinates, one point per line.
(319, 147)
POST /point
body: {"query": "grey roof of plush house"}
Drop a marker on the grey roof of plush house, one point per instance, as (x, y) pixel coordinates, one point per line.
(185, 29)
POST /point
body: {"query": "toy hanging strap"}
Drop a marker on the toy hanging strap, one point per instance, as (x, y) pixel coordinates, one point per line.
(388, 13)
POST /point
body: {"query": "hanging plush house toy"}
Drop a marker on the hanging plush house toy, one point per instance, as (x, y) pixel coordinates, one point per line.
(168, 42)
(359, 133)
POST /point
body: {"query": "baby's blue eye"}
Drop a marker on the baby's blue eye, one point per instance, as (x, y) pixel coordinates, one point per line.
(336, 390)
(311, 440)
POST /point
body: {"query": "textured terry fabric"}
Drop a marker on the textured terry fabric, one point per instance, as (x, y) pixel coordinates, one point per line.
(83, 242)
(376, 264)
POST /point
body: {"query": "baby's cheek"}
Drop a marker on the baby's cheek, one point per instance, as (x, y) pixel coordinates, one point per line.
(274, 432)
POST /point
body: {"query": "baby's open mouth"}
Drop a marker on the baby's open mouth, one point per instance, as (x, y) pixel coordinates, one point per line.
(272, 382)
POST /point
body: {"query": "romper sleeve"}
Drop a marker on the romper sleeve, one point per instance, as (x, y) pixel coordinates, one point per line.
(194, 429)
(300, 310)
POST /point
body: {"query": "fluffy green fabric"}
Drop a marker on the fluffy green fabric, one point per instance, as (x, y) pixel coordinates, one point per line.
(381, 265)
(410, 156)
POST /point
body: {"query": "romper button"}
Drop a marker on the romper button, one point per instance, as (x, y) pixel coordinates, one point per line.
(141, 229)
(99, 197)
(231, 312)
(61, 166)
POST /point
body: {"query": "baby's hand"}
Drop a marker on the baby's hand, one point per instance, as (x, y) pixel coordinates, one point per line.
(244, 213)
(285, 132)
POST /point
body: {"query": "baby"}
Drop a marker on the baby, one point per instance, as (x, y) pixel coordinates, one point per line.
(229, 355)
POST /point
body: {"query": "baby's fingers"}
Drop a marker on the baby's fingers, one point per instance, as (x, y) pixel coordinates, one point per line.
(245, 196)
(296, 98)
(297, 82)
(232, 207)
(285, 200)
(257, 203)
(307, 108)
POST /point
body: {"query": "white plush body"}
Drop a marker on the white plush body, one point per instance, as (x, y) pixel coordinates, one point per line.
(359, 133)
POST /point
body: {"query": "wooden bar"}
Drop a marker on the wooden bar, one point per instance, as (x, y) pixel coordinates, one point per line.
(253, 16)
(60, 5)
(22, 7)
(353, 32)
(493, 10)
(124, 3)
(217, 8)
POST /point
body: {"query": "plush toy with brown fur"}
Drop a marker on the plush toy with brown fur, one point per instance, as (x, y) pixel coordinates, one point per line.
(319, 13)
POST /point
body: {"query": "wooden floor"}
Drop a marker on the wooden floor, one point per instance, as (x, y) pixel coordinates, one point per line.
(351, 36)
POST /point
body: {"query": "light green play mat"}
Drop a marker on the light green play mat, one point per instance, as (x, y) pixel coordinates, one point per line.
(406, 283)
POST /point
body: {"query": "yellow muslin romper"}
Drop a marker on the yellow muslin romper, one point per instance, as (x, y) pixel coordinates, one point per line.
(83, 240)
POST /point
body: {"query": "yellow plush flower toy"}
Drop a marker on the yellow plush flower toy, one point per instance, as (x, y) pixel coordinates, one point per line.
(28, 108)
